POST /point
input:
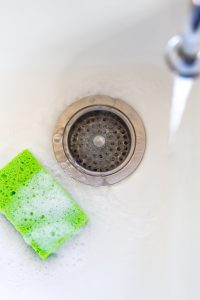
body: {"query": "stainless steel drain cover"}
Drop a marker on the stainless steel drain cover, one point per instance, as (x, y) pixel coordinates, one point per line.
(99, 140)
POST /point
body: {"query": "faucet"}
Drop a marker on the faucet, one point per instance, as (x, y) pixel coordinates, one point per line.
(183, 51)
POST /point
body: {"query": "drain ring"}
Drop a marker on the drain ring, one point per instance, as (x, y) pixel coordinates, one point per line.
(99, 140)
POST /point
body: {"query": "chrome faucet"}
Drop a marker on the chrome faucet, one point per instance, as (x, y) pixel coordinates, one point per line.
(183, 51)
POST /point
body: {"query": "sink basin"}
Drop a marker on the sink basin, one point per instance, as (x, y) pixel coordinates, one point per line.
(142, 241)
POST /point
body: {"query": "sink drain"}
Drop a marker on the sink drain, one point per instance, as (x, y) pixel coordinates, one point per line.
(99, 140)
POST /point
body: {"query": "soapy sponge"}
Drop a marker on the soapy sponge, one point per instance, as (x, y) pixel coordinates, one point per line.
(36, 204)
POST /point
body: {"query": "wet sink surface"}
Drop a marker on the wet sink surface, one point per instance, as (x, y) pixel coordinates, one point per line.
(142, 239)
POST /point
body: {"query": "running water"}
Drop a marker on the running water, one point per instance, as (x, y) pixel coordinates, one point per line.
(181, 90)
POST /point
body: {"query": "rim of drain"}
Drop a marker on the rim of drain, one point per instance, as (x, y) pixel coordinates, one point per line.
(83, 143)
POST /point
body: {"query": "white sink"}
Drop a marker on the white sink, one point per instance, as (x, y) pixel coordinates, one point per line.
(142, 241)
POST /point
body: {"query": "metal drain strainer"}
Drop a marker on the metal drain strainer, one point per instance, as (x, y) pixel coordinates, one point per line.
(99, 140)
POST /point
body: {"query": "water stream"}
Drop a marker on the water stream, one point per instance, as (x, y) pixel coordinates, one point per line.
(181, 91)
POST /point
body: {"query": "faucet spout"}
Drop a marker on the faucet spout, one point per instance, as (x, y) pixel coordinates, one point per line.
(183, 51)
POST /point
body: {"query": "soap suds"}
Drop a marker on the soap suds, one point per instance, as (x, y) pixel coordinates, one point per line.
(41, 196)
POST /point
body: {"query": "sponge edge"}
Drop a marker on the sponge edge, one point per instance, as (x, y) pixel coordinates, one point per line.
(37, 205)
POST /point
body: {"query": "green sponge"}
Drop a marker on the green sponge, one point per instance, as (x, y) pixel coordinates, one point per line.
(37, 205)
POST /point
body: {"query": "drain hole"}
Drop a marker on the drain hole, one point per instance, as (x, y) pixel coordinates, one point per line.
(99, 134)
(101, 157)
